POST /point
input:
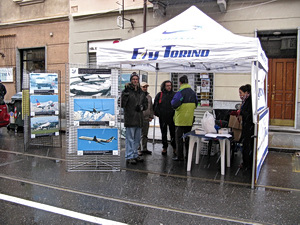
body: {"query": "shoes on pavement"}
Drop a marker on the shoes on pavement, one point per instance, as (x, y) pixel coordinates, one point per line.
(164, 151)
(131, 161)
(139, 159)
(177, 159)
(140, 153)
(146, 152)
(174, 153)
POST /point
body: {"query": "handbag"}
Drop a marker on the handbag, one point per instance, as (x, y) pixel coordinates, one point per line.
(208, 123)
(157, 108)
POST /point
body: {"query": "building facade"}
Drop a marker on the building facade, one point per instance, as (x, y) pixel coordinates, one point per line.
(44, 35)
(276, 23)
(34, 36)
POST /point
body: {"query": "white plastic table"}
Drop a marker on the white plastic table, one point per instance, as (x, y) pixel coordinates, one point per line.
(224, 140)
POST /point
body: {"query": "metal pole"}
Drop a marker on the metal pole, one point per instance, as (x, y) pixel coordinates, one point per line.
(156, 71)
(123, 14)
(145, 16)
(255, 124)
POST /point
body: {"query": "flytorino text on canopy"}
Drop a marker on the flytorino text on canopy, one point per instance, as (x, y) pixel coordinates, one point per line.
(169, 52)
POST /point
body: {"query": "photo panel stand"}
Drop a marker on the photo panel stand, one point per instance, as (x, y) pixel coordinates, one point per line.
(41, 107)
(92, 134)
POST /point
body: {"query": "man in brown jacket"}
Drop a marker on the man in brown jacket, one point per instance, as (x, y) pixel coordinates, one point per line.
(148, 116)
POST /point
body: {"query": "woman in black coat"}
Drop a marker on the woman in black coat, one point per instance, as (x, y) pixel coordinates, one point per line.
(163, 109)
(247, 126)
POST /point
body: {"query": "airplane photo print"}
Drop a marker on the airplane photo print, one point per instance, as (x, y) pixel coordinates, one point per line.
(44, 126)
(97, 141)
(43, 83)
(94, 111)
(43, 105)
(90, 82)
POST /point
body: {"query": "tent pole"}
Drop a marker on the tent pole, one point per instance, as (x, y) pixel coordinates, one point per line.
(156, 76)
(255, 70)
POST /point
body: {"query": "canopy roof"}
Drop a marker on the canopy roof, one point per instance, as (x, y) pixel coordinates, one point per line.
(190, 42)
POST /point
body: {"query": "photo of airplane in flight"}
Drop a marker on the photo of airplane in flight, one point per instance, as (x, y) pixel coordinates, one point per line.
(90, 84)
(93, 109)
(98, 140)
(43, 104)
(97, 111)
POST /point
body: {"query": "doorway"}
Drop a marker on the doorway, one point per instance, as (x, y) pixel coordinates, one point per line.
(280, 47)
(31, 60)
(282, 90)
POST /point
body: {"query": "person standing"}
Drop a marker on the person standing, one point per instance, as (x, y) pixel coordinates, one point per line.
(148, 116)
(2, 91)
(247, 126)
(184, 102)
(134, 102)
(164, 111)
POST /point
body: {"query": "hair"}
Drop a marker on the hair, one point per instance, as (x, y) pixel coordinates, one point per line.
(246, 88)
(183, 79)
(163, 85)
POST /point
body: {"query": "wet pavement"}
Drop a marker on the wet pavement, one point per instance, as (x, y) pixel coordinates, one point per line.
(158, 191)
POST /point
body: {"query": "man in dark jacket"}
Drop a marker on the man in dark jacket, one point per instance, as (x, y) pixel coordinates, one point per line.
(134, 102)
(2, 91)
(163, 109)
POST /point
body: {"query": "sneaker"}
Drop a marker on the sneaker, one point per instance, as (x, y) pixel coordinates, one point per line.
(164, 151)
(131, 161)
(140, 153)
(146, 152)
(139, 159)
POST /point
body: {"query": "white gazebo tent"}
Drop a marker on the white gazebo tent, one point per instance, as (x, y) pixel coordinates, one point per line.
(191, 42)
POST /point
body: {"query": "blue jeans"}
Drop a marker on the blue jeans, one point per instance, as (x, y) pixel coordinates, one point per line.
(132, 142)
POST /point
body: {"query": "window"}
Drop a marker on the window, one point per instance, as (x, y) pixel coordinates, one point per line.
(28, 2)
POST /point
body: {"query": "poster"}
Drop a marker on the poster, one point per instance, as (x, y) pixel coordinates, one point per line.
(94, 111)
(44, 126)
(6, 74)
(125, 78)
(205, 85)
(43, 83)
(97, 141)
(90, 82)
(44, 105)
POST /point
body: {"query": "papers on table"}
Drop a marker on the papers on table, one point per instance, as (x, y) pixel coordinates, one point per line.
(218, 135)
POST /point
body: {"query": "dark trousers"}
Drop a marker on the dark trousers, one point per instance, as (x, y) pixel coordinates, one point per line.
(248, 151)
(144, 138)
(179, 132)
(164, 132)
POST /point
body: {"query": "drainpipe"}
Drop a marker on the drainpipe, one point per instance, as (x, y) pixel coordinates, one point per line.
(145, 16)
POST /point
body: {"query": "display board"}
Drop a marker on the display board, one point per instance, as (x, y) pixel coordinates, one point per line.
(42, 117)
(262, 140)
(93, 139)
